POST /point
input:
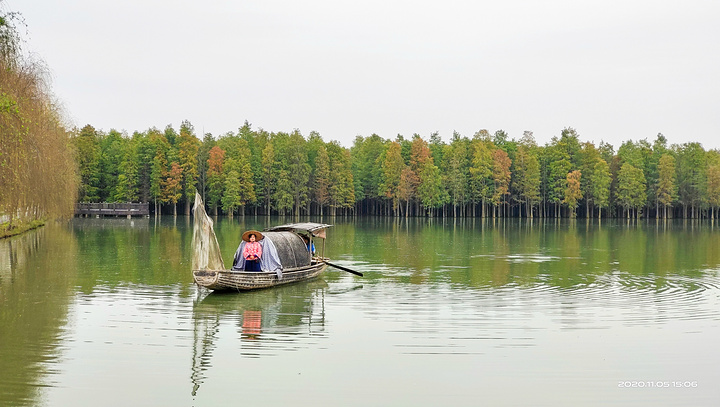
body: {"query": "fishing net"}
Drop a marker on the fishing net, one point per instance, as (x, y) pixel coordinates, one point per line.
(206, 251)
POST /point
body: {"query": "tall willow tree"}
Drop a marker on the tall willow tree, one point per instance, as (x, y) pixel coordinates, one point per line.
(38, 174)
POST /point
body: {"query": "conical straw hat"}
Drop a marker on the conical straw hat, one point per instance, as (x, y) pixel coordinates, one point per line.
(246, 235)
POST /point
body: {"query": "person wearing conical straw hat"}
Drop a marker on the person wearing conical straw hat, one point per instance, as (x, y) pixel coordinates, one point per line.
(252, 251)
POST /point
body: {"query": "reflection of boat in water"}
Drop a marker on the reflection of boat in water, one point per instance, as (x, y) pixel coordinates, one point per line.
(252, 322)
(267, 322)
(290, 258)
(288, 306)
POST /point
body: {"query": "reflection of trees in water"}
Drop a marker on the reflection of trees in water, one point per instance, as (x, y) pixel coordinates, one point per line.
(268, 321)
(14, 252)
(37, 271)
(138, 251)
(558, 253)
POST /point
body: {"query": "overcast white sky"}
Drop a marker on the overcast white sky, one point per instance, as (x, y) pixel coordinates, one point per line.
(613, 70)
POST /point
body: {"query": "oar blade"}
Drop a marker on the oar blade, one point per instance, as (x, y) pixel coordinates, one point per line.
(357, 273)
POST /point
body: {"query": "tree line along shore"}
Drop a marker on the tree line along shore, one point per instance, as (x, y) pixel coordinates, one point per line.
(46, 167)
(487, 175)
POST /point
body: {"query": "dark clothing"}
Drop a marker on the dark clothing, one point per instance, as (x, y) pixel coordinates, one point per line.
(252, 265)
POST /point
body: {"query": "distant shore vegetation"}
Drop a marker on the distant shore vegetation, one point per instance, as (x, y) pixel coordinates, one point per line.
(45, 168)
(38, 177)
(254, 172)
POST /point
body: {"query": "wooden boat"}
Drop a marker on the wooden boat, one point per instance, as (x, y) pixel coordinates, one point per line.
(297, 263)
(250, 280)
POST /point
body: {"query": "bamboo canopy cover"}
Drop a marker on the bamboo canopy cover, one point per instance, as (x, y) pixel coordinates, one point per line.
(290, 248)
(316, 229)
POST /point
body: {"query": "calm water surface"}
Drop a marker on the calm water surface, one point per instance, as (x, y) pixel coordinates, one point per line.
(460, 313)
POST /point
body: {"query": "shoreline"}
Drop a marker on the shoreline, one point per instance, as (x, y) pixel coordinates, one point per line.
(20, 228)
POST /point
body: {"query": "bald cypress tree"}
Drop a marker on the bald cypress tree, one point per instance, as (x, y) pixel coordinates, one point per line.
(501, 177)
(87, 148)
(481, 180)
(573, 193)
(392, 168)
(667, 189)
(631, 188)
(321, 180)
(601, 180)
(298, 171)
(216, 180)
(189, 147)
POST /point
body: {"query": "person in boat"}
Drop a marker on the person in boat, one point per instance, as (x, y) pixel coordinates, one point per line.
(268, 258)
(310, 245)
(252, 252)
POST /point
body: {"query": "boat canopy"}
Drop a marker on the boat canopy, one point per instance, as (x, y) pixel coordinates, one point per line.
(280, 250)
(316, 229)
(290, 248)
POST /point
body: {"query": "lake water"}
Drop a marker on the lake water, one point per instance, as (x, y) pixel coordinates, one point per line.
(449, 313)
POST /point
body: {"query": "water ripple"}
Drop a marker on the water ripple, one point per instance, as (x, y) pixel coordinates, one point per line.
(448, 318)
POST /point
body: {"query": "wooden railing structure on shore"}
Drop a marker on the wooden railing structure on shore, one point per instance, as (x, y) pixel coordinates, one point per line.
(112, 209)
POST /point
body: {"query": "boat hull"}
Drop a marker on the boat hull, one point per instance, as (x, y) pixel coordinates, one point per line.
(230, 280)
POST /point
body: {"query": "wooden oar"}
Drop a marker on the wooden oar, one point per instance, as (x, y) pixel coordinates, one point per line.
(344, 269)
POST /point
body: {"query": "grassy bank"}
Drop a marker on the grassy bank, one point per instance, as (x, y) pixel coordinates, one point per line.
(18, 228)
